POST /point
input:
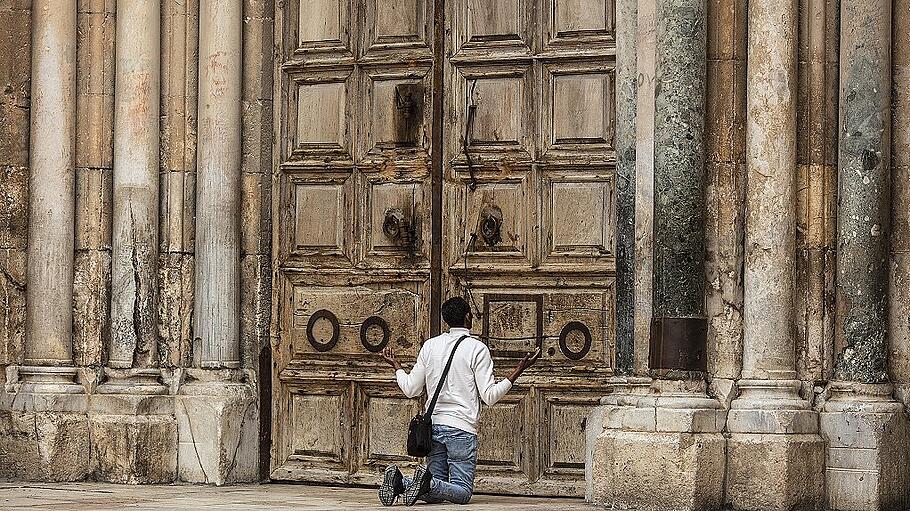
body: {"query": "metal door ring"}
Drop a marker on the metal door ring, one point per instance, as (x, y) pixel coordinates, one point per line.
(574, 326)
(365, 329)
(336, 330)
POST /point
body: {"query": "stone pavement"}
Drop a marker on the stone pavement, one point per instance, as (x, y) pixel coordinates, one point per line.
(104, 497)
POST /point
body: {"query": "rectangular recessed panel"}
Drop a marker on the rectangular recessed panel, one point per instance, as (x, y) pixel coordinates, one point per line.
(500, 437)
(399, 19)
(396, 203)
(496, 213)
(397, 118)
(317, 422)
(581, 108)
(580, 16)
(320, 21)
(348, 308)
(388, 420)
(318, 221)
(499, 107)
(581, 217)
(321, 115)
(512, 323)
(565, 430)
(491, 20)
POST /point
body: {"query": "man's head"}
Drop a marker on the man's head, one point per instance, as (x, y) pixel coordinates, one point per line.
(456, 313)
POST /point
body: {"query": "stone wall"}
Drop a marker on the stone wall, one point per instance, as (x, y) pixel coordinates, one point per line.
(120, 410)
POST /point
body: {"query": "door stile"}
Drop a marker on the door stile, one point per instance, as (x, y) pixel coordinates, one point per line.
(437, 171)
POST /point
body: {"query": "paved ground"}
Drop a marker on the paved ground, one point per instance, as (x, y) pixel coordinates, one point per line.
(98, 497)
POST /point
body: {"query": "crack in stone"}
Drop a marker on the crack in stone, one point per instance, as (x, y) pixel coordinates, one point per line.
(239, 440)
(137, 282)
(193, 440)
(9, 278)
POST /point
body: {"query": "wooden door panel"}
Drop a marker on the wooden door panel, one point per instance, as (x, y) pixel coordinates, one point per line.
(352, 201)
(383, 414)
(528, 224)
(529, 143)
(315, 443)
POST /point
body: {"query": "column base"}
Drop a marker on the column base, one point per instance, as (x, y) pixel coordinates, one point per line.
(663, 451)
(134, 435)
(775, 454)
(44, 431)
(218, 428)
(868, 448)
(132, 381)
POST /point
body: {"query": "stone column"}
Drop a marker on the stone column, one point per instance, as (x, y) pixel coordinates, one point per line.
(899, 327)
(51, 225)
(216, 413)
(866, 428)
(217, 298)
(774, 433)
(662, 446)
(133, 349)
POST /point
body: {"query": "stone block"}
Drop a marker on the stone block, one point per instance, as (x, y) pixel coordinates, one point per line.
(13, 207)
(594, 426)
(772, 421)
(775, 472)
(134, 449)
(175, 302)
(867, 460)
(12, 305)
(658, 471)
(91, 302)
(218, 432)
(44, 446)
(630, 418)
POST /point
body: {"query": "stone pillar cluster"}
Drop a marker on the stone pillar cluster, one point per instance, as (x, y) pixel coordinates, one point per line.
(792, 436)
(125, 410)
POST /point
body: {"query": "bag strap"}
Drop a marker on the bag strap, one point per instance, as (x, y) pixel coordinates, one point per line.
(442, 378)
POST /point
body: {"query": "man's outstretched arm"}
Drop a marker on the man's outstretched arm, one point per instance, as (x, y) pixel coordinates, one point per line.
(410, 384)
(490, 391)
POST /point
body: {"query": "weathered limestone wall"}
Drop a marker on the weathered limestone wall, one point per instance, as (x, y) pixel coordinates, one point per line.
(118, 421)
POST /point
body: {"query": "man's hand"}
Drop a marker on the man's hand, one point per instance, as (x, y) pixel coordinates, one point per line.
(389, 356)
(525, 363)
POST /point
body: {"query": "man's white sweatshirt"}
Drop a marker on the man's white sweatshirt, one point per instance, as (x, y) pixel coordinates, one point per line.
(470, 379)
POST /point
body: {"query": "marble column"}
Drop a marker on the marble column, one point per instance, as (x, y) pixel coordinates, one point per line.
(133, 349)
(773, 431)
(217, 295)
(866, 428)
(678, 288)
(51, 225)
(661, 447)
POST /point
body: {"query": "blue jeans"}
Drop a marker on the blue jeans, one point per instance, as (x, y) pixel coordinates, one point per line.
(453, 462)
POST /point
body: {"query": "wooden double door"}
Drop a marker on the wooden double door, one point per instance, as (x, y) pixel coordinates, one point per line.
(415, 161)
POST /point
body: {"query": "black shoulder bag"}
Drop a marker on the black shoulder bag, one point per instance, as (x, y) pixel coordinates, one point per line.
(420, 432)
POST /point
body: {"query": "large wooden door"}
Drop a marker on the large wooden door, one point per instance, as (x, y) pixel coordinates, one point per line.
(524, 162)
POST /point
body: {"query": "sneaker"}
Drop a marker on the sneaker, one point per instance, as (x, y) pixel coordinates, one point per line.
(419, 486)
(392, 485)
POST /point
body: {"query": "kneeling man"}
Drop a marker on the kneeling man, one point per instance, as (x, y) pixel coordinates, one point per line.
(451, 464)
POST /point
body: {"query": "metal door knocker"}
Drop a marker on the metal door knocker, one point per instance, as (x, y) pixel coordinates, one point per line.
(373, 323)
(311, 325)
(575, 326)
(491, 224)
(395, 226)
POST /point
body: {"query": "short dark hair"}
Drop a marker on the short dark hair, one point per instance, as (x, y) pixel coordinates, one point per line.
(455, 311)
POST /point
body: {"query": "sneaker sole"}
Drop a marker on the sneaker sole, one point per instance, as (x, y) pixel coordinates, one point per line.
(387, 489)
(412, 492)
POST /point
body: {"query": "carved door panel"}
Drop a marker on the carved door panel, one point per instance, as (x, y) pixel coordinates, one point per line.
(529, 188)
(524, 202)
(352, 199)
